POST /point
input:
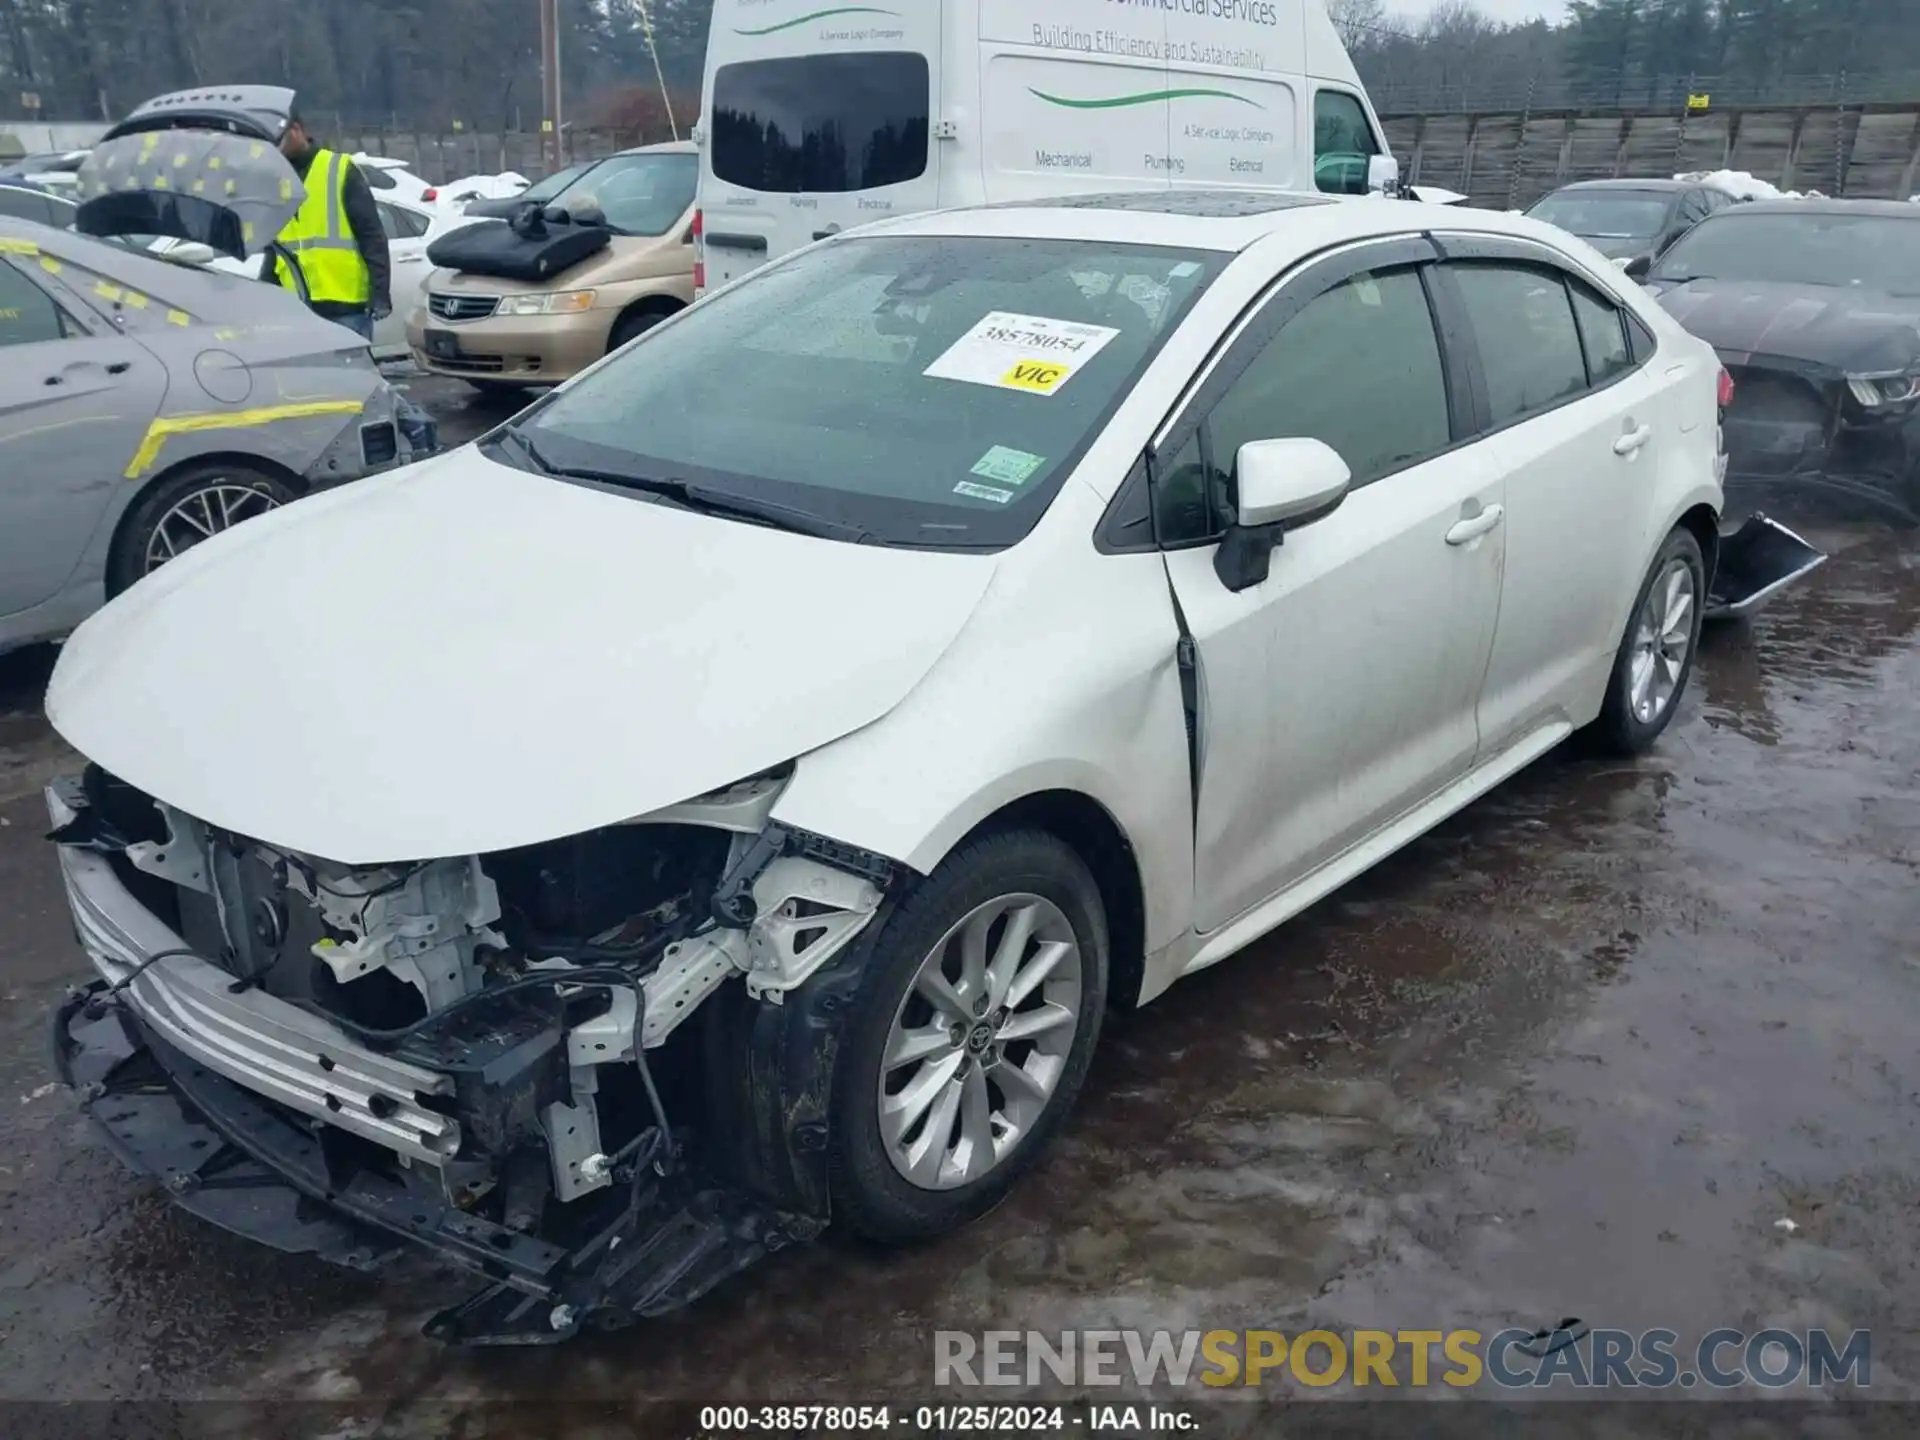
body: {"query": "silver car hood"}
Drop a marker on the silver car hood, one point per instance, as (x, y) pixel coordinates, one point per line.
(462, 657)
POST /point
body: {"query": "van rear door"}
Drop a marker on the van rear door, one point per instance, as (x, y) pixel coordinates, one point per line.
(817, 120)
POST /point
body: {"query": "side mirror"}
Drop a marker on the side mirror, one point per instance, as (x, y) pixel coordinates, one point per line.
(191, 252)
(1283, 484)
(1383, 175)
(1638, 267)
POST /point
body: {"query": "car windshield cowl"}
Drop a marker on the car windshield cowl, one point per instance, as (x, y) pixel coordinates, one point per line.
(921, 391)
(511, 444)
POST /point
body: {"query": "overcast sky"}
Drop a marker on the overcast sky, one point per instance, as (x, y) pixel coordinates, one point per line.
(1498, 9)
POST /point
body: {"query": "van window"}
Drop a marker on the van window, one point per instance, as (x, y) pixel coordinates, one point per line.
(823, 124)
(1342, 143)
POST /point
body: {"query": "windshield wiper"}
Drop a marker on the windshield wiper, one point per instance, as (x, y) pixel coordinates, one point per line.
(688, 496)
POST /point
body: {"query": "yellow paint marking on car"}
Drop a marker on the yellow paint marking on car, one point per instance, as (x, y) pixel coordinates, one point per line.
(179, 317)
(159, 430)
(137, 300)
(50, 265)
(18, 247)
(108, 291)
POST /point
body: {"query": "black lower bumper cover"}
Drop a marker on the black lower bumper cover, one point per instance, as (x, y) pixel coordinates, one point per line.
(255, 1169)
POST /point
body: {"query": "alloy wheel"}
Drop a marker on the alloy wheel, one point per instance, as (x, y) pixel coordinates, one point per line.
(200, 515)
(980, 1042)
(1662, 642)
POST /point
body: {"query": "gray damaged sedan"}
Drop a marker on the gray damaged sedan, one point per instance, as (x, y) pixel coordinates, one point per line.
(145, 406)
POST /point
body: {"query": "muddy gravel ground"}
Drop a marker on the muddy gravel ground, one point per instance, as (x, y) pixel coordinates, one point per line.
(1579, 1052)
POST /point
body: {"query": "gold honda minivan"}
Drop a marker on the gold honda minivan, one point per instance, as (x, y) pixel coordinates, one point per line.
(508, 330)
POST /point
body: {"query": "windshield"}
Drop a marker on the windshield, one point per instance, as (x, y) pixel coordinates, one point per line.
(1606, 214)
(1870, 252)
(823, 124)
(639, 194)
(546, 189)
(928, 391)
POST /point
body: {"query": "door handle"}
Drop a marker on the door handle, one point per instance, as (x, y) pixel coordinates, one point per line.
(1470, 530)
(1633, 441)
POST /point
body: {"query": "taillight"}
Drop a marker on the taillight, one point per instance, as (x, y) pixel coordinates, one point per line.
(699, 251)
(1726, 390)
(431, 193)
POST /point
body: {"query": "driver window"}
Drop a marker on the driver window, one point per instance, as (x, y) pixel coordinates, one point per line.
(1358, 367)
(1342, 143)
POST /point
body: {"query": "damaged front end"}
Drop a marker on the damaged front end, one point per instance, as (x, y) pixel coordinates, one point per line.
(594, 1072)
(1819, 441)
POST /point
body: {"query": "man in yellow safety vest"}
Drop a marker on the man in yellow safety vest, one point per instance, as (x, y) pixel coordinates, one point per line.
(336, 237)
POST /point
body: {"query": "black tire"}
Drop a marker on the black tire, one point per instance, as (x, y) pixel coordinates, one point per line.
(128, 561)
(1619, 730)
(870, 1197)
(634, 324)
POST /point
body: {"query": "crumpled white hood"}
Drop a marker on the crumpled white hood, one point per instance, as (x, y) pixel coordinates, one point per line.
(462, 657)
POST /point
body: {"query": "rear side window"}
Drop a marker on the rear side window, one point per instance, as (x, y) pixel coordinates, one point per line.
(1358, 367)
(1529, 344)
(1603, 334)
(401, 224)
(28, 315)
(822, 124)
(1342, 143)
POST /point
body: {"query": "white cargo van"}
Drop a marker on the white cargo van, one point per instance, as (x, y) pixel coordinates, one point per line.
(820, 116)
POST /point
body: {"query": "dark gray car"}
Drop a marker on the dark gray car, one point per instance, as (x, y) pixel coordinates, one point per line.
(1631, 221)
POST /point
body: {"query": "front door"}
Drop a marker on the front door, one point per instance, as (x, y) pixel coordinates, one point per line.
(1341, 692)
(74, 408)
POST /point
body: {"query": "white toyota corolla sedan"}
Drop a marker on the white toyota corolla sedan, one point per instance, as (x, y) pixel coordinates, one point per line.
(728, 796)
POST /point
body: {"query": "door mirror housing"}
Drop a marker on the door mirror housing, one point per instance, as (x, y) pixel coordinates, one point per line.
(1283, 485)
(1639, 267)
(1383, 175)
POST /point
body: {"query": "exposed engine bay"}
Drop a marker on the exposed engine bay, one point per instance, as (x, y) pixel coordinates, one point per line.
(493, 1055)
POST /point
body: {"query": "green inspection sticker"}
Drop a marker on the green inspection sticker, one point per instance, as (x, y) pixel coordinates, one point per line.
(1009, 467)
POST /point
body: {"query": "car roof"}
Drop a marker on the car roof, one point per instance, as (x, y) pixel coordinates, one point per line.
(1890, 209)
(1221, 220)
(1662, 186)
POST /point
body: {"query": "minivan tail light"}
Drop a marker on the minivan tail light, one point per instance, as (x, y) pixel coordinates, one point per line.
(699, 251)
(1726, 390)
(431, 193)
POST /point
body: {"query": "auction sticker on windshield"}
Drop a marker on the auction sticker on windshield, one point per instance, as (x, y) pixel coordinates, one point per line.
(1021, 352)
(1009, 467)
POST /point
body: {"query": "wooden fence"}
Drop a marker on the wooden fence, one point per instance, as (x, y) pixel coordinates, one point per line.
(1507, 160)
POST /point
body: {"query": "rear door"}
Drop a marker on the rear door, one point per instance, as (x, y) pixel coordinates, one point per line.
(1581, 429)
(74, 407)
(818, 120)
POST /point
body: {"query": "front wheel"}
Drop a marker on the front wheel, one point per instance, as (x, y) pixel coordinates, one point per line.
(191, 505)
(970, 1036)
(1656, 655)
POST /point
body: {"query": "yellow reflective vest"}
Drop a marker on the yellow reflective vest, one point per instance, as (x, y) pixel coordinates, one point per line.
(321, 241)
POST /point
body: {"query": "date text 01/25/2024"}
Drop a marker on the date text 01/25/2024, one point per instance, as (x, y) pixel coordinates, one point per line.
(725, 1420)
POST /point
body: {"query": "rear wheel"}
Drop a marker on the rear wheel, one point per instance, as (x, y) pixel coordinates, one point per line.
(970, 1037)
(193, 504)
(1656, 655)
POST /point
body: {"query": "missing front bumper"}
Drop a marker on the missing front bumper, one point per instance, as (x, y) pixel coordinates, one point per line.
(1757, 562)
(268, 1174)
